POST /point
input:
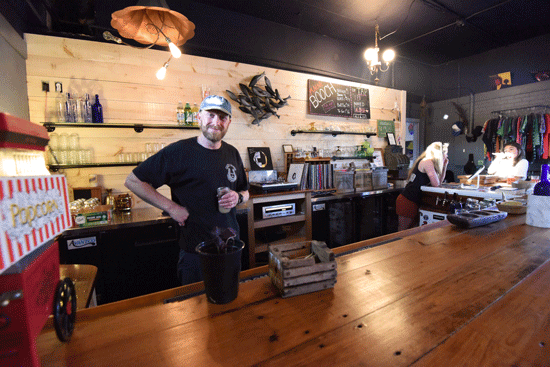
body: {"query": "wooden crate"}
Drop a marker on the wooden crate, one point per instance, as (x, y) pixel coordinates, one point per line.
(301, 267)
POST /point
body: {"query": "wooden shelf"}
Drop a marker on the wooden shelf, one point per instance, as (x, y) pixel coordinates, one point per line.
(279, 221)
(297, 227)
(51, 126)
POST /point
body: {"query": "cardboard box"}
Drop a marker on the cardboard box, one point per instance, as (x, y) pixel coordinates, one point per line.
(100, 215)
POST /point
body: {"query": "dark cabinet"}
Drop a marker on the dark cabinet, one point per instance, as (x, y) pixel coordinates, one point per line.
(333, 223)
(131, 261)
(346, 219)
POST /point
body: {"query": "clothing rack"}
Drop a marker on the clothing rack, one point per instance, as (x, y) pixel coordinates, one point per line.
(537, 108)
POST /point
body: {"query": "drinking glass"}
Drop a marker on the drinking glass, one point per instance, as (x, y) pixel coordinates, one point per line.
(63, 157)
(63, 141)
(54, 141)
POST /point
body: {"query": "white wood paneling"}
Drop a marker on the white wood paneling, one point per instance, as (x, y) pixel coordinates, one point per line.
(124, 78)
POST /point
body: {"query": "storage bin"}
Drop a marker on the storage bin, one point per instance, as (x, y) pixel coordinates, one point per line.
(363, 179)
(344, 181)
(380, 178)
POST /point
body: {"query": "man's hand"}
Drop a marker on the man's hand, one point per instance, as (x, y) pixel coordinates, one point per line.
(229, 200)
(179, 214)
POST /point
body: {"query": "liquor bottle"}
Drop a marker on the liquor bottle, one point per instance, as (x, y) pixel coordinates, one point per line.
(69, 117)
(195, 113)
(77, 108)
(180, 115)
(97, 111)
(542, 188)
(60, 107)
(188, 114)
(87, 109)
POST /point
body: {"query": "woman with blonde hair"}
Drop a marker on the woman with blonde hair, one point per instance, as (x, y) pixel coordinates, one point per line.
(428, 169)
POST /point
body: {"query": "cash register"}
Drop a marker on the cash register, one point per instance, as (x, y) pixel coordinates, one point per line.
(396, 162)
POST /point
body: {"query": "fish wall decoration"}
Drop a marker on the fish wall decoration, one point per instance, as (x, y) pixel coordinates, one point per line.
(258, 102)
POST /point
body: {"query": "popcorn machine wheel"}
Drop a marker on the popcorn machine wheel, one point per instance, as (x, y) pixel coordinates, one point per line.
(64, 309)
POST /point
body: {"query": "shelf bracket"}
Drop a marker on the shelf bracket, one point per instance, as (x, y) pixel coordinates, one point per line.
(49, 128)
(138, 128)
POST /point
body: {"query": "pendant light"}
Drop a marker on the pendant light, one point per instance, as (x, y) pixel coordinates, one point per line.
(151, 22)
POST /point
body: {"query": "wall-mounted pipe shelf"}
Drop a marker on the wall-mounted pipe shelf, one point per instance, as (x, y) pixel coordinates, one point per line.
(50, 126)
(335, 158)
(333, 133)
(57, 167)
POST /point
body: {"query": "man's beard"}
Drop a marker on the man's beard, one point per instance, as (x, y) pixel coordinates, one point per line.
(213, 135)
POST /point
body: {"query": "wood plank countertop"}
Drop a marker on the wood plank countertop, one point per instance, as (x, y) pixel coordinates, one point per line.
(431, 296)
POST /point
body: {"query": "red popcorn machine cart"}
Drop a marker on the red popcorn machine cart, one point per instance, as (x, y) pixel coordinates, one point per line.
(34, 209)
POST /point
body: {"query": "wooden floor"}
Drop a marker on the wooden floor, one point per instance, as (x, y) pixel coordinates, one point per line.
(443, 296)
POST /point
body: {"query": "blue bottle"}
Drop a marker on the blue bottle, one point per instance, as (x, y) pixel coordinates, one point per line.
(542, 188)
(97, 111)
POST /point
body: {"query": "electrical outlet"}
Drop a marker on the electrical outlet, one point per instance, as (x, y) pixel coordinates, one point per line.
(45, 86)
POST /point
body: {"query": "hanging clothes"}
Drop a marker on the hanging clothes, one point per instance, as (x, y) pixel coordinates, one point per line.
(531, 131)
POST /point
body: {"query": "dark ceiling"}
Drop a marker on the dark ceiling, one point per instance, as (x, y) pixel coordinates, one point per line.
(427, 31)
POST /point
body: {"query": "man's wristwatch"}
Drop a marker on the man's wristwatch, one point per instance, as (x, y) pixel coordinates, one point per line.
(240, 198)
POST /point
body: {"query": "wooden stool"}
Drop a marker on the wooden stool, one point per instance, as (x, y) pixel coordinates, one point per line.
(83, 277)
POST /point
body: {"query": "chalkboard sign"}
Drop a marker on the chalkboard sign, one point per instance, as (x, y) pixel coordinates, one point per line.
(385, 127)
(330, 99)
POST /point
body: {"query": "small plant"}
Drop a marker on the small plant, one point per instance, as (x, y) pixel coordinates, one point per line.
(223, 238)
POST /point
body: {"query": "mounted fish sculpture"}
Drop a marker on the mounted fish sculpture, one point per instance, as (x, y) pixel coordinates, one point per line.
(257, 102)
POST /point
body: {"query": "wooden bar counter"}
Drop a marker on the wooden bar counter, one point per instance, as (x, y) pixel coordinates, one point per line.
(431, 296)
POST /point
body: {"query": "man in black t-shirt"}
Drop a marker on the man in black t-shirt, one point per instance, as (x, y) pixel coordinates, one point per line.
(193, 169)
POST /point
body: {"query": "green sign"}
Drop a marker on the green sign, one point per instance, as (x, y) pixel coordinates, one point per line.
(385, 127)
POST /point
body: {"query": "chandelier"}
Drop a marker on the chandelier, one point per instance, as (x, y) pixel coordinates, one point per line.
(151, 22)
(373, 60)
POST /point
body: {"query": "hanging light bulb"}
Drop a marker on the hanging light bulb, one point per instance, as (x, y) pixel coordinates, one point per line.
(176, 52)
(388, 55)
(161, 73)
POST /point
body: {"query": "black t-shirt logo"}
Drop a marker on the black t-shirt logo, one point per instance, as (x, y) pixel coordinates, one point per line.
(231, 172)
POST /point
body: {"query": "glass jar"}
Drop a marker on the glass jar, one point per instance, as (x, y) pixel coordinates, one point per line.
(123, 202)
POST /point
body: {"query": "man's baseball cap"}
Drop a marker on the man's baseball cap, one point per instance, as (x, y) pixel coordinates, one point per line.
(216, 103)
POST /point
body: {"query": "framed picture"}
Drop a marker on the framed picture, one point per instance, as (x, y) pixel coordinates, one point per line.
(287, 148)
(260, 159)
(391, 138)
(378, 157)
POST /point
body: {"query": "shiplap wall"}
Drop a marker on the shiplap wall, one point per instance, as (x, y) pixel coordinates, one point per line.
(124, 78)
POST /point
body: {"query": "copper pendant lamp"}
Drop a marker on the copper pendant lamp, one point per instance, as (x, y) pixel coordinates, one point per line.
(152, 22)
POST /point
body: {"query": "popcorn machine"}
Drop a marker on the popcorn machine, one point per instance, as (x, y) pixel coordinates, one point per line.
(34, 209)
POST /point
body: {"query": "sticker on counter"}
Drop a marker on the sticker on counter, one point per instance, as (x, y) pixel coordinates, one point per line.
(78, 243)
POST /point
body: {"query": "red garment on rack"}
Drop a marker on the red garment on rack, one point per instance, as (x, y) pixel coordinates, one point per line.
(545, 146)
